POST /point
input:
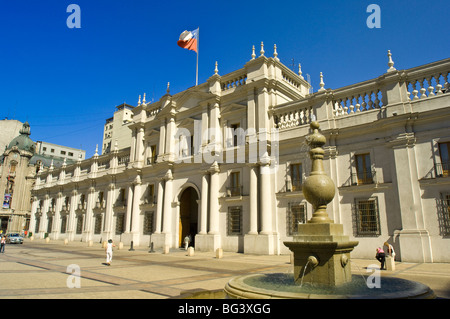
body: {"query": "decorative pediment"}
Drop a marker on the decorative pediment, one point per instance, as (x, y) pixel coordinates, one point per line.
(190, 99)
(234, 107)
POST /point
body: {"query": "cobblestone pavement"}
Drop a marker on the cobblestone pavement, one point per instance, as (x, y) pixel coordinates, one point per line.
(40, 270)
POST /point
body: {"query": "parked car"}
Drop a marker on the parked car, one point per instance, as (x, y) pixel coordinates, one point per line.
(14, 238)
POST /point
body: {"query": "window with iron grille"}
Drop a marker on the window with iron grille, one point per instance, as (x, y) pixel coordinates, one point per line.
(63, 223)
(79, 224)
(296, 215)
(367, 217)
(120, 223)
(148, 223)
(98, 224)
(235, 220)
(444, 214)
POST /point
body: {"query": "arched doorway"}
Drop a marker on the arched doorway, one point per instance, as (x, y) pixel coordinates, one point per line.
(188, 215)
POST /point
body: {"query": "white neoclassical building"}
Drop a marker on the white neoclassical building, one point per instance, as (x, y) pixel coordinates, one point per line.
(224, 162)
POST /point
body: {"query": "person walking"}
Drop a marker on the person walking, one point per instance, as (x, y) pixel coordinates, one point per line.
(187, 240)
(109, 251)
(381, 257)
(2, 244)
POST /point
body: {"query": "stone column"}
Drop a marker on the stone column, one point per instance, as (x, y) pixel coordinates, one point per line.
(253, 201)
(204, 205)
(159, 206)
(34, 207)
(162, 141)
(44, 217)
(71, 222)
(139, 157)
(56, 227)
(167, 223)
(214, 200)
(135, 220)
(88, 227)
(266, 197)
(108, 231)
(129, 209)
(170, 145)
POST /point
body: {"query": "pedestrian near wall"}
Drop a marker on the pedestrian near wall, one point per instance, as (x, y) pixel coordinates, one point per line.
(109, 251)
(381, 257)
(2, 244)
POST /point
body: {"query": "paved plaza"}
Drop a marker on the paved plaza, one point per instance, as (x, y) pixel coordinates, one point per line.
(40, 270)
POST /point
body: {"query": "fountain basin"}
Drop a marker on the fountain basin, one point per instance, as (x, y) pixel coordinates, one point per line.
(282, 286)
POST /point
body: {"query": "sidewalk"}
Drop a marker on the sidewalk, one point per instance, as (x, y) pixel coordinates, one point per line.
(40, 270)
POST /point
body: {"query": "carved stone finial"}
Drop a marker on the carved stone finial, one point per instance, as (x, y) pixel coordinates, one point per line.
(262, 49)
(390, 62)
(275, 53)
(322, 84)
(216, 70)
(253, 53)
(300, 71)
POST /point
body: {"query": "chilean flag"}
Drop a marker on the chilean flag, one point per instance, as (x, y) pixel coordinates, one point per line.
(189, 40)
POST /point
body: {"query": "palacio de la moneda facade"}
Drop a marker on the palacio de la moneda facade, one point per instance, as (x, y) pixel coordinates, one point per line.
(224, 162)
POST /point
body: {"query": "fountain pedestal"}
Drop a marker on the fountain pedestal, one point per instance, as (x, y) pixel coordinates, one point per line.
(321, 254)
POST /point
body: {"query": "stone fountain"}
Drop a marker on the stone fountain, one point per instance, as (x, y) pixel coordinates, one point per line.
(321, 253)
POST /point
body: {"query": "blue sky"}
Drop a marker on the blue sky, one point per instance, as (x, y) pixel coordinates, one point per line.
(66, 82)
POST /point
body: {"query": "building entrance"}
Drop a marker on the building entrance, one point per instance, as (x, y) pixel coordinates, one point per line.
(188, 216)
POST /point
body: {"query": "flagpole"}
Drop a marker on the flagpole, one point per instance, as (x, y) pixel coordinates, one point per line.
(198, 47)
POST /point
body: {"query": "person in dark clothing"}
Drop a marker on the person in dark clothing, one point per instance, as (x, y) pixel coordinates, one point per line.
(381, 257)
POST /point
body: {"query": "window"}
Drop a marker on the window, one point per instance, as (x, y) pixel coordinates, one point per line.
(234, 220)
(52, 150)
(71, 154)
(151, 194)
(98, 224)
(296, 177)
(63, 152)
(148, 223)
(120, 224)
(367, 217)
(235, 187)
(363, 170)
(444, 215)
(79, 224)
(296, 215)
(49, 225)
(152, 156)
(63, 223)
(444, 151)
(235, 131)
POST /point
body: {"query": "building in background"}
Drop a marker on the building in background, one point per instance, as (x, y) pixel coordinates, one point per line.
(117, 129)
(9, 129)
(60, 152)
(19, 163)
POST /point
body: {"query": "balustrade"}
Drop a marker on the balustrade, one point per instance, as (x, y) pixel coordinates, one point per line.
(427, 86)
(234, 82)
(293, 118)
(358, 102)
